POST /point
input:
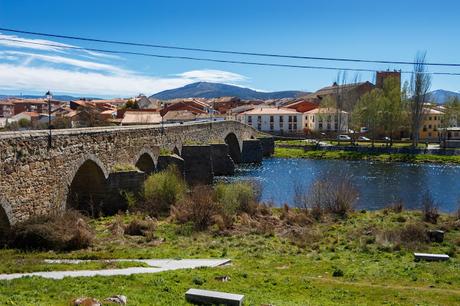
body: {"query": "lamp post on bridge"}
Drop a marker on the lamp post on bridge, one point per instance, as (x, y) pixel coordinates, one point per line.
(49, 96)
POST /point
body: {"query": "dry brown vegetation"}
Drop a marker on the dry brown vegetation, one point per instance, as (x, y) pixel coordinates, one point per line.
(61, 232)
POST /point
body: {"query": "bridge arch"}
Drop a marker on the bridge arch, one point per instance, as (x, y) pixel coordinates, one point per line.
(234, 147)
(87, 188)
(6, 218)
(145, 161)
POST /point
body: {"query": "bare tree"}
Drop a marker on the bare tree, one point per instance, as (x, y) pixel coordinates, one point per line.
(420, 85)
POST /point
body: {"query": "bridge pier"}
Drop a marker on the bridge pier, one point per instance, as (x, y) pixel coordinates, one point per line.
(222, 163)
(117, 183)
(268, 146)
(252, 151)
(165, 160)
(198, 164)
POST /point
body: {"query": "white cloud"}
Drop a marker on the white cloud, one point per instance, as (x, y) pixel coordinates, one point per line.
(64, 71)
(25, 78)
(56, 59)
(42, 44)
(212, 76)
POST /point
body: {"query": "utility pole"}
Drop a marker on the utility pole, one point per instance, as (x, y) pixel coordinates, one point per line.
(48, 97)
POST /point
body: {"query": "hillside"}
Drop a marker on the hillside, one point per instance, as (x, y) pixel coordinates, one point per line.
(57, 97)
(442, 96)
(216, 90)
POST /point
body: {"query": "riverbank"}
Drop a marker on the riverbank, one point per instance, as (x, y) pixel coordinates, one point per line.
(279, 257)
(284, 152)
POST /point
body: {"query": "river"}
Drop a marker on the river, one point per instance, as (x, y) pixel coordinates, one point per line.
(378, 183)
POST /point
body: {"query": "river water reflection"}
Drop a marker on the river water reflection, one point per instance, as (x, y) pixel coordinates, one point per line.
(378, 183)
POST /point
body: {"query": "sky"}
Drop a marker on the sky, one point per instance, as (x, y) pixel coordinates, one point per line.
(385, 30)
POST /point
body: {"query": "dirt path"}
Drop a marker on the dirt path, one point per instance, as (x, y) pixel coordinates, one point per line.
(155, 266)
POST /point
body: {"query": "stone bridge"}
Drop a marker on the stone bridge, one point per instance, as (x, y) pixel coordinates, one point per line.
(38, 179)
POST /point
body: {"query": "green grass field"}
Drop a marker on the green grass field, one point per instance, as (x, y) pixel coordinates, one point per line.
(333, 262)
(348, 155)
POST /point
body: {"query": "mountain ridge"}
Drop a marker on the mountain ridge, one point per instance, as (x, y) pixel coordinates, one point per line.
(442, 96)
(216, 90)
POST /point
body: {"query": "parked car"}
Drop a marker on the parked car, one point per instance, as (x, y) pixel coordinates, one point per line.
(364, 130)
(343, 137)
(386, 138)
(363, 138)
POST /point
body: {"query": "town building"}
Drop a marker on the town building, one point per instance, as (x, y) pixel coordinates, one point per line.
(432, 120)
(450, 137)
(325, 120)
(6, 109)
(139, 117)
(303, 105)
(381, 76)
(349, 94)
(274, 120)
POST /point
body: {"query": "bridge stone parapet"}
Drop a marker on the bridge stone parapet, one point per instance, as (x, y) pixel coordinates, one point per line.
(35, 179)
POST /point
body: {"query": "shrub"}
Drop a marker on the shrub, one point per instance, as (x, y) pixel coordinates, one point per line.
(198, 208)
(162, 190)
(140, 227)
(67, 231)
(337, 272)
(336, 197)
(396, 207)
(237, 197)
(304, 237)
(130, 198)
(410, 236)
(295, 216)
(429, 209)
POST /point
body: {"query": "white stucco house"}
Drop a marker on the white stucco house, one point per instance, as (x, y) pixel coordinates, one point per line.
(325, 120)
(273, 119)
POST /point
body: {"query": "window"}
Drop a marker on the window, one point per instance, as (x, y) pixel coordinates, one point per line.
(424, 128)
(429, 118)
(328, 126)
(272, 119)
(320, 126)
(259, 118)
(249, 119)
(429, 126)
(313, 118)
(329, 118)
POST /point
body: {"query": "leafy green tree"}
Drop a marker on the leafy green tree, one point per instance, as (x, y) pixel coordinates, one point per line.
(451, 113)
(392, 107)
(368, 112)
(420, 85)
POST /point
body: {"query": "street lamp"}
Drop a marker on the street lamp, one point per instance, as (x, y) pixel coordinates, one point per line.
(162, 113)
(48, 96)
